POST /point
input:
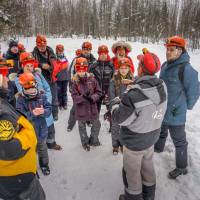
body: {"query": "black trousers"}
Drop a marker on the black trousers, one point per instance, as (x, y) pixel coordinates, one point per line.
(178, 136)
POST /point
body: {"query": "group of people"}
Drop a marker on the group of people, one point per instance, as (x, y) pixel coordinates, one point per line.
(141, 109)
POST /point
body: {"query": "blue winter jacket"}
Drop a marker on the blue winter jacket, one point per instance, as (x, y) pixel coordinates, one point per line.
(182, 95)
(26, 106)
(42, 86)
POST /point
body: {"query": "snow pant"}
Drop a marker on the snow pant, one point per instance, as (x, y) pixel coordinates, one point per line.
(139, 174)
(178, 136)
(72, 119)
(115, 130)
(33, 192)
(53, 87)
(51, 136)
(96, 125)
(42, 153)
(62, 92)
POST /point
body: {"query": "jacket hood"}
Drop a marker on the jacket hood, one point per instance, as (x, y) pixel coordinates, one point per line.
(152, 87)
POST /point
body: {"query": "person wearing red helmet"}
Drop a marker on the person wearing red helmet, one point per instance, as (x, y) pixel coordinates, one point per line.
(103, 71)
(140, 113)
(47, 63)
(63, 77)
(183, 92)
(85, 94)
(121, 49)
(30, 65)
(34, 105)
(121, 79)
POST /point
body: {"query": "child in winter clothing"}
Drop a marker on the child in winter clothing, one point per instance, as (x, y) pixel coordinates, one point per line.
(63, 77)
(121, 79)
(34, 105)
(85, 94)
(29, 64)
(140, 115)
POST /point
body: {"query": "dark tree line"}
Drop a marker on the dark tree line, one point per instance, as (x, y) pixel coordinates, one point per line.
(143, 20)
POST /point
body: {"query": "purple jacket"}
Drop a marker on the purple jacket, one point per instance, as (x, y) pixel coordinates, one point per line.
(84, 109)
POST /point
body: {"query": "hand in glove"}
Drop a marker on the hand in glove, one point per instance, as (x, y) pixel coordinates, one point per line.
(114, 103)
(87, 96)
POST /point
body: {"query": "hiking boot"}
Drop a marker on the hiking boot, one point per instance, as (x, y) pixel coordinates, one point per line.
(86, 147)
(177, 172)
(115, 150)
(45, 170)
(54, 146)
(93, 142)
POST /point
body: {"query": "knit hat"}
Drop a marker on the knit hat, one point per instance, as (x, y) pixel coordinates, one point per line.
(13, 43)
(149, 63)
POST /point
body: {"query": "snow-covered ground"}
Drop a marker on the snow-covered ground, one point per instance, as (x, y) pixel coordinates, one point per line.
(96, 175)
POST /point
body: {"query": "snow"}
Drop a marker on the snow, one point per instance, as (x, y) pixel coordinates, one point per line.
(96, 175)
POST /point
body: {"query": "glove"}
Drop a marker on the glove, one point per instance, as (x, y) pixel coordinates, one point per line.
(115, 101)
(87, 96)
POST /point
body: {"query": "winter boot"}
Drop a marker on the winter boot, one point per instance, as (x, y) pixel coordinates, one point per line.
(86, 147)
(115, 150)
(54, 146)
(130, 197)
(177, 172)
(149, 192)
(45, 170)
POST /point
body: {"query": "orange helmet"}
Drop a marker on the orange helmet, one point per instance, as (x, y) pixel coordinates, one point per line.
(26, 58)
(27, 80)
(59, 48)
(78, 52)
(81, 64)
(176, 41)
(103, 49)
(87, 45)
(21, 47)
(41, 41)
(124, 62)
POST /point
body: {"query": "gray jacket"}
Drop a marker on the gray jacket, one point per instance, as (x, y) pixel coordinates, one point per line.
(141, 112)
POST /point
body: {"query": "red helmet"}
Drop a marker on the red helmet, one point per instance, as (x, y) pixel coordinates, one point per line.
(124, 62)
(81, 64)
(41, 41)
(87, 45)
(176, 41)
(26, 58)
(149, 63)
(59, 48)
(27, 80)
(103, 49)
(78, 52)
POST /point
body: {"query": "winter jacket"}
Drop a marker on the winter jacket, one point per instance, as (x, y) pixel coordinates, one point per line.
(84, 109)
(141, 112)
(63, 75)
(27, 105)
(15, 57)
(45, 58)
(114, 60)
(103, 72)
(181, 95)
(17, 154)
(42, 85)
(116, 88)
